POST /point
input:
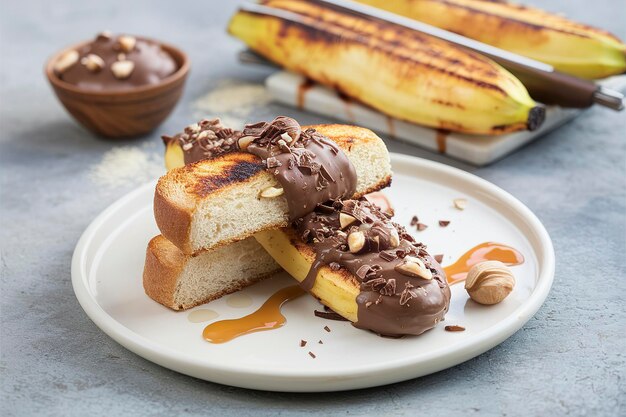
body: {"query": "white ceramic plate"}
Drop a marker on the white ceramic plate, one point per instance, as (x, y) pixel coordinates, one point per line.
(108, 262)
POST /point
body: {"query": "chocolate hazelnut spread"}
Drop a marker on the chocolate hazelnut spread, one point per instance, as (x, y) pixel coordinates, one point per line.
(205, 140)
(117, 63)
(310, 167)
(403, 290)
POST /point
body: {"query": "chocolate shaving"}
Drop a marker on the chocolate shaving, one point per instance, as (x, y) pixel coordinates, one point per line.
(454, 328)
(311, 354)
(224, 133)
(320, 342)
(327, 329)
(334, 266)
(401, 253)
(329, 315)
(438, 258)
(389, 288)
(362, 271)
(272, 162)
(421, 226)
(376, 268)
(324, 209)
(388, 256)
(302, 343)
(414, 221)
(444, 223)
(374, 285)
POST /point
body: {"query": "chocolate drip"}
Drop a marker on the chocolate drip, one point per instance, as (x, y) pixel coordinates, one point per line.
(205, 140)
(403, 290)
(310, 167)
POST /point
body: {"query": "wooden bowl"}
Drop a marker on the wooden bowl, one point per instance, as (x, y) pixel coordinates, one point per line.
(125, 113)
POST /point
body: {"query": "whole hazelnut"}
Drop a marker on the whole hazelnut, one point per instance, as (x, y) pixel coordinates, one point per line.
(489, 282)
(356, 241)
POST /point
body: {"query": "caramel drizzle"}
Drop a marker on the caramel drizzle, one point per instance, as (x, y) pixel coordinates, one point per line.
(303, 88)
(442, 139)
(488, 251)
(267, 317)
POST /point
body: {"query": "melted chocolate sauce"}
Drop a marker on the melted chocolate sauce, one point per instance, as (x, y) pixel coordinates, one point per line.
(205, 140)
(311, 168)
(392, 301)
(151, 65)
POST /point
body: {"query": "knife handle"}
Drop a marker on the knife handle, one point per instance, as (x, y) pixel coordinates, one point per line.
(562, 89)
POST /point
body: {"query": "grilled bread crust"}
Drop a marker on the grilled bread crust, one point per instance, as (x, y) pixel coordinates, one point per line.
(216, 202)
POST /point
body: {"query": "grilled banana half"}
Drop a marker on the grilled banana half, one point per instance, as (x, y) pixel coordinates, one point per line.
(401, 73)
(570, 47)
(174, 155)
(367, 269)
(335, 290)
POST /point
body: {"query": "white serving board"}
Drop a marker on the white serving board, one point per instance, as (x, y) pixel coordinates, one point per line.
(286, 87)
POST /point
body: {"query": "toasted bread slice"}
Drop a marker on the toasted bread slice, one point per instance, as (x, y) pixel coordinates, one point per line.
(180, 281)
(215, 202)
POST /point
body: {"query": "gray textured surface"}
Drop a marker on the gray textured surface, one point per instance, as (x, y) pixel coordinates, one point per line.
(568, 360)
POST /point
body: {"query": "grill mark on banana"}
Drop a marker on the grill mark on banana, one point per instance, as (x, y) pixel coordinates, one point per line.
(397, 37)
(530, 25)
(392, 40)
(569, 46)
(505, 10)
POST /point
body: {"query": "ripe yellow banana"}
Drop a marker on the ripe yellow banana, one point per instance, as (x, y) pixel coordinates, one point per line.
(174, 155)
(570, 47)
(401, 73)
(335, 289)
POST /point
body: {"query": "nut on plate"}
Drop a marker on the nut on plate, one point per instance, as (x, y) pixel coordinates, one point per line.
(460, 203)
(489, 282)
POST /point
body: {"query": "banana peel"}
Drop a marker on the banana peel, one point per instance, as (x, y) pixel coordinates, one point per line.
(570, 47)
(401, 73)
